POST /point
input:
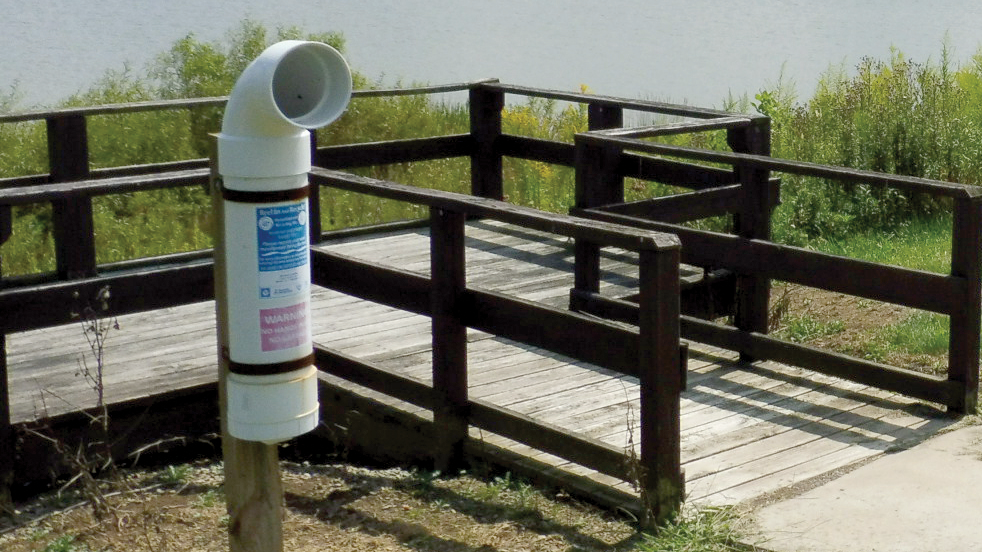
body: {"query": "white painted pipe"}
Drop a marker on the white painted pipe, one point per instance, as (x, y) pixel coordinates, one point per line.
(263, 160)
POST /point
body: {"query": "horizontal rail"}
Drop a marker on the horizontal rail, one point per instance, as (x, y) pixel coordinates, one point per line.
(51, 304)
(676, 173)
(401, 289)
(536, 149)
(883, 376)
(903, 286)
(543, 436)
(419, 90)
(577, 336)
(762, 347)
(23, 195)
(114, 109)
(636, 105)
(215, 101)
(615, 235)
(680, 127)
(803, 168)
(394, 151)
(683, 207)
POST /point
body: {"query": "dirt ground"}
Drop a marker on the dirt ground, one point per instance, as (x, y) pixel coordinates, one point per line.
(861, 321)
(328, 507)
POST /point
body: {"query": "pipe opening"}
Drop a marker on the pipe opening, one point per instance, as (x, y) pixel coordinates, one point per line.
(311, 85)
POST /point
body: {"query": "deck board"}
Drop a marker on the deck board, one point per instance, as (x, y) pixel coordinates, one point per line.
(747, 430)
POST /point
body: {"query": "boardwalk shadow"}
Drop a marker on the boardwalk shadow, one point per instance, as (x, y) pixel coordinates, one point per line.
(830, 409)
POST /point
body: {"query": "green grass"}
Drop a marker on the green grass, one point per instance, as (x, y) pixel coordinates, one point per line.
(801, 329)
(923, 244)
(703, 530)
(923, 333)
(65, 543)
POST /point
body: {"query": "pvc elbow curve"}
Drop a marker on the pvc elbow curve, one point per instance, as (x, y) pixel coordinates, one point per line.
(292, 86)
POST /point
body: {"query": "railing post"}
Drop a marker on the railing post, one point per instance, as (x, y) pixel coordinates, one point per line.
(662, 481)
(6, 431)
(314, 199)
(753, 222)
(963, 339)
(448, 277)
(7, 443)
(74, 234)
(485, 113)
(598, 182)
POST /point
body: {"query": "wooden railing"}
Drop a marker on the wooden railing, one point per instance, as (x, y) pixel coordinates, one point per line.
(652, 353)
(752, 255)
(602, 157)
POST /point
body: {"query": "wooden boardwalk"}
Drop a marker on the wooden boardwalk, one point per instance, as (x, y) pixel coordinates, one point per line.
(747, 430)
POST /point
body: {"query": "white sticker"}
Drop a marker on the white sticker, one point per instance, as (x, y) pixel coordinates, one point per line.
(283, 252)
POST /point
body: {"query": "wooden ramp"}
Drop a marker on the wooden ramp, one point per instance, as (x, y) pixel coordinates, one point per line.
(747, 430)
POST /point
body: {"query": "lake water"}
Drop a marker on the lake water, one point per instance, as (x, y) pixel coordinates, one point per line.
(693, 51)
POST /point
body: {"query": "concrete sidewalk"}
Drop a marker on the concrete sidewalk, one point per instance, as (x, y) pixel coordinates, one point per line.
(926, 498)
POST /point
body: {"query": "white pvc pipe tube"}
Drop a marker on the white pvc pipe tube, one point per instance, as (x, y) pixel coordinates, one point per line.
(263, 160)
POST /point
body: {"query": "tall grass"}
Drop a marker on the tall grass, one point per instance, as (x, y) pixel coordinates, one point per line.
(165, 221)
(898, 116)
(920, 119)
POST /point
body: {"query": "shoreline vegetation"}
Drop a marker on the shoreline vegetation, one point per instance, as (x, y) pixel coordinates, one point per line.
(897, 115)
(900, 116)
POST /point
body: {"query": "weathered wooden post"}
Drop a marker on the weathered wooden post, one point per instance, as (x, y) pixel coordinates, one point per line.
(753, 222)
(598, 182)
(486, 104)
(6, 431)
(267, 377)
(963, 344)
(68, 160)
(661, 382)
(447, 270)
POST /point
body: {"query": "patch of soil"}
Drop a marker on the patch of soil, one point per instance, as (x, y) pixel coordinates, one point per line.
(327, 507)
(861, 317)
(862, 322)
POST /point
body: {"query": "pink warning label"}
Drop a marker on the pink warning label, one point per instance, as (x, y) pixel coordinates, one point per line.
(284, 327)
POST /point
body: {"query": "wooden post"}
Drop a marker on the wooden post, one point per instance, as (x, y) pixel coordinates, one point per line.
(74, 233)
(598, 182)
(448, 277)
(662, 484)
(314, 199)
(963, 338)
(7, 442)
(485, 114)
(753, 222)
(253, 490)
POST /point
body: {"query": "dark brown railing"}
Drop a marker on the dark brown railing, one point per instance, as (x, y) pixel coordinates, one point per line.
(742, 263)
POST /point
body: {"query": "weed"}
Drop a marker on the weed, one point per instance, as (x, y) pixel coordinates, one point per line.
(65, 543)
(804, 328)
(922, 333)
(209, 498)
(423, 482)
(705, 530)
(175, 475)
(39, 533)
(89, 457)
